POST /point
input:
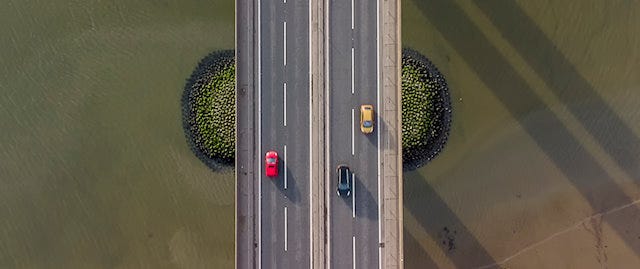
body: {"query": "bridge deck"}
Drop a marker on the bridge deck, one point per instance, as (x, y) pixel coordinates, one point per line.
(248, 157)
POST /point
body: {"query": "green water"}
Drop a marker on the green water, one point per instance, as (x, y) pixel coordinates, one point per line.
(94, 168)
(95, 171)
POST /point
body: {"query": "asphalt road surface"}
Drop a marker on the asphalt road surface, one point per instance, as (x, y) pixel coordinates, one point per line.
(284, 105)
(353, 81)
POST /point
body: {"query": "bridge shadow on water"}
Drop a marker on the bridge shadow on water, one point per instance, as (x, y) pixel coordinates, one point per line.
(442, 225)
(414, 257)
(567, 84)
(547, 130)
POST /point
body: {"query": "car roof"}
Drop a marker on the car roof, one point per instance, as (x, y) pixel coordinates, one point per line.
(367, 111)
(344, 173)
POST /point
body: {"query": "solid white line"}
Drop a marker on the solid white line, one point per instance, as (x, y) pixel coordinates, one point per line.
(285, 42)
(285, 228)
(353, 74)
(259, 138)
(353, 194)
(353, 144)
(310, 146)
(285, 167)
(379, 129)
(285, 104)
(354, 251)
(352, 17)
(327, 139)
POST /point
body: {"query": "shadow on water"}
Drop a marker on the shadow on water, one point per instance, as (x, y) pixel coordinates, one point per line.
(443, 225)
(549, 133)
(414, 255)
(615, 137)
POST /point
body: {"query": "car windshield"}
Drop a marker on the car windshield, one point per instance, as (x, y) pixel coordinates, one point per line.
(367, 123)
(271, 160)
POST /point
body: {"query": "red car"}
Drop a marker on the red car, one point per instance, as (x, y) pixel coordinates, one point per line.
(271, 163)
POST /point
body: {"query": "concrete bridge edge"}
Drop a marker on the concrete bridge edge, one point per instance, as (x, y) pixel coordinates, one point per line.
(392, 184)
(245, 195)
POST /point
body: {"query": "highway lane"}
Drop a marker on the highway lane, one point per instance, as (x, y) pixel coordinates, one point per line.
(340, 102)
(284, 104)
(353, 222)
(297, 136)
(366, 83)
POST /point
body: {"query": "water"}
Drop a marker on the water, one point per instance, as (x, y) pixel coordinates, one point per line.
(543, 163)
(94, 168)
(95, 171)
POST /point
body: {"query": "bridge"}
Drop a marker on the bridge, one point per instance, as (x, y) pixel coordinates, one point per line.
(303, 70)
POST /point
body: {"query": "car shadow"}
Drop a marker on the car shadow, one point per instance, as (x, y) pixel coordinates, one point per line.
(548, 132)
(292, 193)
(366, 205)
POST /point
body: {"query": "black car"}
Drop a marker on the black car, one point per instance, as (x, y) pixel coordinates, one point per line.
(344, 180)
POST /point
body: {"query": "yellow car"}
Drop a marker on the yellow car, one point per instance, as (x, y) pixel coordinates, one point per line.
(366, 119)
